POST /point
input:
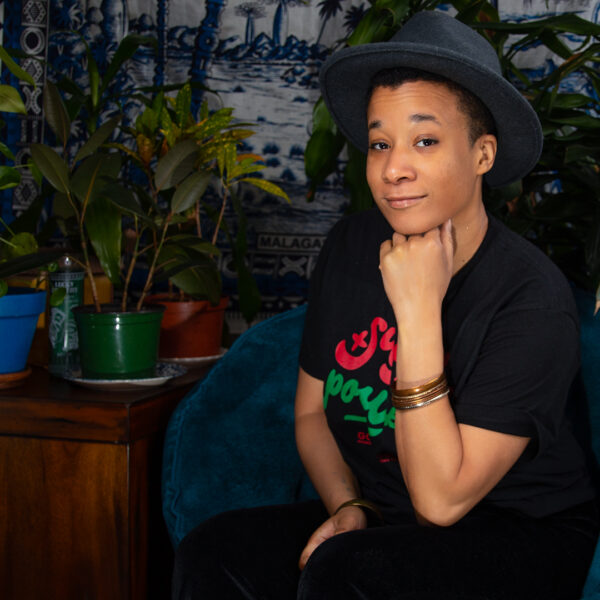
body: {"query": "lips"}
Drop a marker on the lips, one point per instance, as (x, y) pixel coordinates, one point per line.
(403, 201)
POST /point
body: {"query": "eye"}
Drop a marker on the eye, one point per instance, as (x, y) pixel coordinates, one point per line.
(378, 146)
(426, 142)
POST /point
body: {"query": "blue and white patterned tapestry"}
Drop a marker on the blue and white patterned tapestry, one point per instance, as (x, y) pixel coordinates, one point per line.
(261, 57)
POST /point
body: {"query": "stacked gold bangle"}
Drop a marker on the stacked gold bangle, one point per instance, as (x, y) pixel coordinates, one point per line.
(421, 395)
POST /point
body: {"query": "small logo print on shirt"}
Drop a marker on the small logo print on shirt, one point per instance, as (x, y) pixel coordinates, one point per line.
(363, 438)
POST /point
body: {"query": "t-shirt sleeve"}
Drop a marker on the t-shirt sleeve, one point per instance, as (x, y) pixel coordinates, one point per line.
(318, 316)
(522, 376)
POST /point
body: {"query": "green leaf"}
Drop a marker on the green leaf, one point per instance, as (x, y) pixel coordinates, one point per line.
(61, 207)
(267, 186)
(183, 105)
(56, 113)
(126, 49)
(14, 68)
(6, 151)
(22, 244)
(11, 101)
(322, 118)
(103, 225)
(183, 240)
(52, 166)
(35, 172)
(189, 191)
(321, 154)
(93, 176)
(9, 177)
(175, 165)
(398, 10)
(57, 296)
(98, 138)
(126, 200)
(3, 288)
(373, 27)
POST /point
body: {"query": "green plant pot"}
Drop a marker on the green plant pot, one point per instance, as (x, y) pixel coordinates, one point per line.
(118, 345)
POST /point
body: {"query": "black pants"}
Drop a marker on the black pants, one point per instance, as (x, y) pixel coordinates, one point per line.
(490, 554)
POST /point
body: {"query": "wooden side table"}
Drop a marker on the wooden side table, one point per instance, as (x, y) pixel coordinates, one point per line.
(80, 506)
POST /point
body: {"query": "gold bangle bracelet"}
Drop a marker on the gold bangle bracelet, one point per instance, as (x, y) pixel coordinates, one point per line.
(419, 389)
(361, 503)
(419, 403)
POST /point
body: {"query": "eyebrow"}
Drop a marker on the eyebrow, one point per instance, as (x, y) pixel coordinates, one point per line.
(416, 118)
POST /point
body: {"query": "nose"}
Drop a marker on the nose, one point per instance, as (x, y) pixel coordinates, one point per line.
(397, 166)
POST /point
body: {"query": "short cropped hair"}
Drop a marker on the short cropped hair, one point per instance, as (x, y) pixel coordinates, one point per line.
(479, 118)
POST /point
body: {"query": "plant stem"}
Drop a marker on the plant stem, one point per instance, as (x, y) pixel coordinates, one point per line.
(131, 266)
(150, 276)
(221, 213)
(6, 226)
(86, 257)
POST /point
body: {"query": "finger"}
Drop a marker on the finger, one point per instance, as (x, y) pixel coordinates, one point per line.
(398, 238)
(384, 249)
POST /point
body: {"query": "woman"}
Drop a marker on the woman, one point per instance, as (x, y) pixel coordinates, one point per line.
(438, 355)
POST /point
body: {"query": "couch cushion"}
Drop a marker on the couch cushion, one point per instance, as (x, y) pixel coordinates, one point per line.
(230, 442)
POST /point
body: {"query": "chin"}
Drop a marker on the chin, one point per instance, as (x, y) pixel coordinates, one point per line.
(411, 226)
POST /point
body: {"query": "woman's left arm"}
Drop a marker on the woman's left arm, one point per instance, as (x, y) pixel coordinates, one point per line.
(447, 467)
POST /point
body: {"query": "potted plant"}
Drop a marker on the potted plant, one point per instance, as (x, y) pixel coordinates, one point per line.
(103, 210)
(84, 182)
(20, 307)
(212, 165)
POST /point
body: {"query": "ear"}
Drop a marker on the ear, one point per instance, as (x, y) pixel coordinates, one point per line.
(487, 146)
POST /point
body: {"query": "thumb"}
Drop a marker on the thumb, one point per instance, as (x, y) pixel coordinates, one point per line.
(316, 539)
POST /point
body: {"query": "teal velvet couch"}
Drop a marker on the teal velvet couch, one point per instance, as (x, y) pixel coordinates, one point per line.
(230, 442)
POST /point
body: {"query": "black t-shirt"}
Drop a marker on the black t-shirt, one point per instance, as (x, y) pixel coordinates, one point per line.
(511, 344)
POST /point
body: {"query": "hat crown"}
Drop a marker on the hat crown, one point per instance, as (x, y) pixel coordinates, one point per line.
(436, 29)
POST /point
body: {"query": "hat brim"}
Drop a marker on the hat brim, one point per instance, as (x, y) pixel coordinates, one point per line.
(346, 75)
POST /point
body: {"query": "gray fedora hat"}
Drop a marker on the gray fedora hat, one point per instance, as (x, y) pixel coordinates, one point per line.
(436, 42)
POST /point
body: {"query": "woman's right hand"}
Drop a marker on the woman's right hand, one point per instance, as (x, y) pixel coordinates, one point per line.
(348, 518)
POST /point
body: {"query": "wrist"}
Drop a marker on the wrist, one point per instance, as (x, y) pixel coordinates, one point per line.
(368, 507)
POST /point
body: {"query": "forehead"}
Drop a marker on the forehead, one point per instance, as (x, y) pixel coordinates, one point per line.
(426, 96)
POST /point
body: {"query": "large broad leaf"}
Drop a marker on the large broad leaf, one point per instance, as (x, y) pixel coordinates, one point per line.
(126, 49)
(126, 200)
(192, 272)
(14, 68)
(175, 165)
(98, 138)
(11, 101)
(267, 186)
(189, 192)
(103, 225)
(6, 151)
(52, 166)
(9, 177)
(320, 155)
(94, 175)
(56, 113)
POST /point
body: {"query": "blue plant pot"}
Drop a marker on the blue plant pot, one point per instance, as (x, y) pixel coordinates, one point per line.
(19, 313)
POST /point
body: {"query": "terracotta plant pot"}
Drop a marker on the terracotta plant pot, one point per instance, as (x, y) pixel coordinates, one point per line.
(118, 345)
(190, 328)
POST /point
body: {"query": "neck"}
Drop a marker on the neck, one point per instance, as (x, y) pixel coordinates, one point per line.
(468, 237)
